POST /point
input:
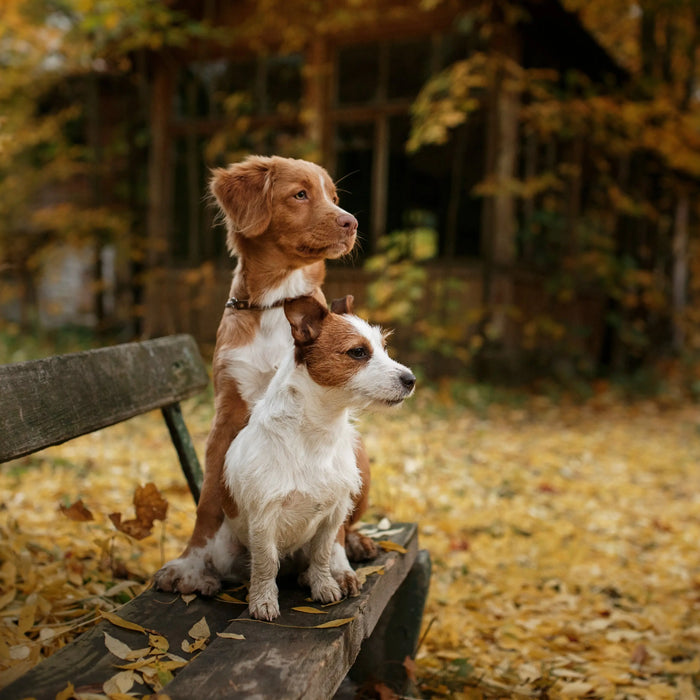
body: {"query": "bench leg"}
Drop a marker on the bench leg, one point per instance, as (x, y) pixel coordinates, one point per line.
(397, 633)
(185, 449)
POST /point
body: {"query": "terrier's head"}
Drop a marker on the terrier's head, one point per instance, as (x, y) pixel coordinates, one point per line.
(342, 351)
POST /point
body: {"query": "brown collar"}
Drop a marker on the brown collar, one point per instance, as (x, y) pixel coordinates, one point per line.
(245, 305)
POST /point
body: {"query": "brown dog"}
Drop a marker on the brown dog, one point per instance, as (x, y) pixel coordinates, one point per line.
(283, 221)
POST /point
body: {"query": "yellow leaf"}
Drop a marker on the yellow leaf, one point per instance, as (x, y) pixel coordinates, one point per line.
(117, 647)
(122, 682)
(188, 597)
(226, 598)
(159, 642)
(229, 635)
(334, 623)
(66, 693)
(308, 609)
(191, 647)
(389, 546)
(200, 630)
(138, 653)
(121, 622)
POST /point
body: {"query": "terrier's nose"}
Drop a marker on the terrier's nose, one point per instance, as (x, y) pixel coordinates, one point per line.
(347, 221)
(408, 380)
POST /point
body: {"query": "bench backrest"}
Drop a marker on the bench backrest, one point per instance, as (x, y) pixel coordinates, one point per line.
(46, 402)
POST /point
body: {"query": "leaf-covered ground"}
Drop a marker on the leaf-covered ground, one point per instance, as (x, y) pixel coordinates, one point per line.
(564, 539)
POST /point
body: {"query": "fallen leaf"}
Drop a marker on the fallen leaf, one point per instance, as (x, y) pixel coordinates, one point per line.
(188, 597)
(77, 511)
(200, 630)
(334, 623)
(308, 609)
(117, 647)
(229, 635)
(122, 682)
(159, 642)
(67, 693)
(149, 506)
(191, 647)
(226, 598)
(389, 546)
(121, 622)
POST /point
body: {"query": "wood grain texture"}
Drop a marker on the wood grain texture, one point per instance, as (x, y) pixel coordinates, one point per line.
(46, 402)
(289, 659)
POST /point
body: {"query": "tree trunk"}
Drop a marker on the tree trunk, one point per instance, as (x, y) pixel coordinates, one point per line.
(679, 274)
(158, 313)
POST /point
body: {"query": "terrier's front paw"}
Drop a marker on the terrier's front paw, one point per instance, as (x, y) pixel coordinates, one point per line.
(325, 590)
(348, 582)
(187, 575)
(264, 610)
(262, 601)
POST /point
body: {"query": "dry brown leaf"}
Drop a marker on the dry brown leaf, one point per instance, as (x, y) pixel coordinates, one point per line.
(308, 609)
(77, 511)
(149, 506)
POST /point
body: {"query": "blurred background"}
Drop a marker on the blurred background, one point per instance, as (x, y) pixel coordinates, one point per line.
(525, 173)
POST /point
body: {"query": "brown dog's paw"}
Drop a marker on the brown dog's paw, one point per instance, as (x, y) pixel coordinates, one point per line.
(358, 547)
(187, 576)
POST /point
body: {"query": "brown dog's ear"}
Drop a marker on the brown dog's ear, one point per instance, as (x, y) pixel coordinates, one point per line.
(305, 316)
(342, 306)
(244, 193)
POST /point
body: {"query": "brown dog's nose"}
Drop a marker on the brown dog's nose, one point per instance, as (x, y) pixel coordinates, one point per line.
(347, 221)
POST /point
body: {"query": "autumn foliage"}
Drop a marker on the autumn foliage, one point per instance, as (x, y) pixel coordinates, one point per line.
(563, 539)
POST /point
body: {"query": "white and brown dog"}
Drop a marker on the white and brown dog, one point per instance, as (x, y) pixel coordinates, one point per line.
(291, 473)
(283, 221)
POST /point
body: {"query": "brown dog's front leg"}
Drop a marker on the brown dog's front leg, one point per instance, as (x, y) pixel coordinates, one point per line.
(357, 546)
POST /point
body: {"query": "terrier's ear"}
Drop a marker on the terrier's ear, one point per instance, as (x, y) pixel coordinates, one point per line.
(244, 193)
(305, 316)
(342, 306)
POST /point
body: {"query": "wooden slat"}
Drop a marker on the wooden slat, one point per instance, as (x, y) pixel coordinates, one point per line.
(273, 661)
(46, 402)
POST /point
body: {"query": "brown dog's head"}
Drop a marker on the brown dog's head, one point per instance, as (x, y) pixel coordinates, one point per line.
(286, 203)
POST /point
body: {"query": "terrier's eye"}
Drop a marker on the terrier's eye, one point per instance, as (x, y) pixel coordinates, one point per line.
(301, 194)
(359, 353)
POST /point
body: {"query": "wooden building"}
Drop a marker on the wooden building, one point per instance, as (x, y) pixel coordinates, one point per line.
(335, 82)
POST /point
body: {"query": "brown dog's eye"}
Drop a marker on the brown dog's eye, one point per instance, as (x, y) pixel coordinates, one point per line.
(359, 353)
(301, 195)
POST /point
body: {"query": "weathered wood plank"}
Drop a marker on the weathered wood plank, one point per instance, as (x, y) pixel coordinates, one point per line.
(272, 661)
(46, 402)
(287, 663)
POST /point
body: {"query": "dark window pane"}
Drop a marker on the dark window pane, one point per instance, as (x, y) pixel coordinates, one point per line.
(284, 84)
(409, 67)
(358, 73)
(354, 171)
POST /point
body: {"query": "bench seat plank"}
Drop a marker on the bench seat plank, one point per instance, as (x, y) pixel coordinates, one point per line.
(309, 663)
(46, 402)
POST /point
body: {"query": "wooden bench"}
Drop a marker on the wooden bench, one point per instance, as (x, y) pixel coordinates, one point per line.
(361, 640)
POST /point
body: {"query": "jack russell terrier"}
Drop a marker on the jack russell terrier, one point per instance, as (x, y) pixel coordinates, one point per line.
(291, 475)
